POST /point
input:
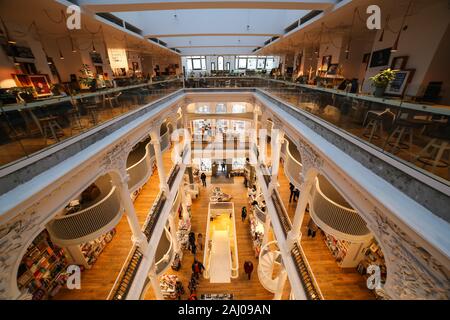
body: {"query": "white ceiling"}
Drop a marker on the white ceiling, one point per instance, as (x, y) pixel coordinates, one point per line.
(213, 27)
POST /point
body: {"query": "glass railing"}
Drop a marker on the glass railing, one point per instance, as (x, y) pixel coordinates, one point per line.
(416, 134)
(30, 127)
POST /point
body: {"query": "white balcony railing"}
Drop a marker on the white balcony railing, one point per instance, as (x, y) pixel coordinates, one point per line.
(292, 166)
(87, 224)
(336, 218)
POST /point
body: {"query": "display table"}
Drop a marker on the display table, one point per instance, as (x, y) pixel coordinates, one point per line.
(216, 296)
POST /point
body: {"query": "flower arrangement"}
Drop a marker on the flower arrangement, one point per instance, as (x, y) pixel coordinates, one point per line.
(382, 79)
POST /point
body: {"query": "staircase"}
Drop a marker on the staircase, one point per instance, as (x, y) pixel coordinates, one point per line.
(269, 261)
(311, 289)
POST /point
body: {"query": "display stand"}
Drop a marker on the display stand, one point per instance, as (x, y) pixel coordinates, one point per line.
(184, 228)
(257, 233)
(168, 284)
(42, 271)
(216, 296)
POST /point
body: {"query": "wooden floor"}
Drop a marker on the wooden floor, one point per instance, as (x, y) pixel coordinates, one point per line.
(97, 282)
(333, 281)
(241, 288)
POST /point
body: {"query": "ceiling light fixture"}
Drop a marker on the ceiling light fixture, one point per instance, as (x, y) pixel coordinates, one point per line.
(93, 47)
(395, 46)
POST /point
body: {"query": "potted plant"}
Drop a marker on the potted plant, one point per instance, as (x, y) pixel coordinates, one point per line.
(381, 80)
(87, 80)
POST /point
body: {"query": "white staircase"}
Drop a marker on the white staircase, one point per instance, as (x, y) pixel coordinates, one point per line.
(268, 259)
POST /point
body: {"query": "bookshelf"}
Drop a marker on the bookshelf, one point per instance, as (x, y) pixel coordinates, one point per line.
(42, 271)
(86, 254)
(347, 254)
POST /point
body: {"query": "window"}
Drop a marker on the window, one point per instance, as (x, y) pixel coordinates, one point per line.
(242, 63)
(221, 108)
(196, 63)
(238, 108)
(213, 66)
(228, 66)
(261, 64)
(269, 63)
(202, 108)
(251, 63)
(220, 63)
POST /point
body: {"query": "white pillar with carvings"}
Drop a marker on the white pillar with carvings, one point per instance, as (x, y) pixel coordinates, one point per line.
(277, 138)
(138, 237)
(155, 283)
(295, 233)
(159, 160)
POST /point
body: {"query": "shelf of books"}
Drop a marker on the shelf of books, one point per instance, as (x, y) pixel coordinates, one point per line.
(42, 272)
(86, 254)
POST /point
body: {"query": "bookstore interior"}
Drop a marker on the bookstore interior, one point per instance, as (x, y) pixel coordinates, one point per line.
(301, 152)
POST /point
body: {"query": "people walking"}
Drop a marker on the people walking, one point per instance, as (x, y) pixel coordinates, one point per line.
(194, 248)
(197, 268)
(248, 268)
(312, 228)
(244, 213)
(179, 289)
(203, 177)
(200, 241)
(191, 240)
(291, 188)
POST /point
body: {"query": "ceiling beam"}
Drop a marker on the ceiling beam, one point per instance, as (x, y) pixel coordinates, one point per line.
(143, 5)
(211, 35)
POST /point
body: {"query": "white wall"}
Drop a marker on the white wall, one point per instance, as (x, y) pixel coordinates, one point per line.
(420, 42)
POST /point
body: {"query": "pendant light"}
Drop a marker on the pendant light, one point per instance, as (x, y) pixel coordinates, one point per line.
(93, 47)
(382, 31)
(72, 45)
(397, 39)
(347, 50)
(60, 52)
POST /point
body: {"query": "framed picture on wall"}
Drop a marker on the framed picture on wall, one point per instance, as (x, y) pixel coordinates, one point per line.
(398, 85)
(332, 69)
(399, 63)
(40, 85)
(380, 58)
(22, 80)
(96, 58)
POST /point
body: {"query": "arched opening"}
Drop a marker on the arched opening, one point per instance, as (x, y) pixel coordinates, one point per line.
(337, 243)
(77, 235)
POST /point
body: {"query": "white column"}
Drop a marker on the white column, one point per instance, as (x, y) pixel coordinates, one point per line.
(159, 162)
(155, 283)
(176, 146)
(266, 229)
(173, 231)
(276, 140)
(138, 237)
(295, 233)
(262, 146)
(280, 285)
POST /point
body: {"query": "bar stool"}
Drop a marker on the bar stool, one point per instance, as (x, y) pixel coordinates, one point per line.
(93, 112)
(50, 126)
(403, 129)
(375, 121)
(74, 119)
(433, 153)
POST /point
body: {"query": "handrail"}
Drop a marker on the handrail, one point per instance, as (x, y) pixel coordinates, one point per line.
(281, 213)
(137, 175)
(173, 175)
(261, 274)
(307, 278)
(55, 100)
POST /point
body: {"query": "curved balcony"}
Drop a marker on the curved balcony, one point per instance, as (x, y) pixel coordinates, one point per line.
(139, 165)
(164, 253)
(292, 165)
(269, 266)
(89, 223)
(331, 212)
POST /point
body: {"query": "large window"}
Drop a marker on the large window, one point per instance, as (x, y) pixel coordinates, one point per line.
(238, 108)
(255, 62)
(220, 63)
(228, 66)
(202, 108)
(196, 63)
(221, 108)
(213, 66)
(251, 63)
